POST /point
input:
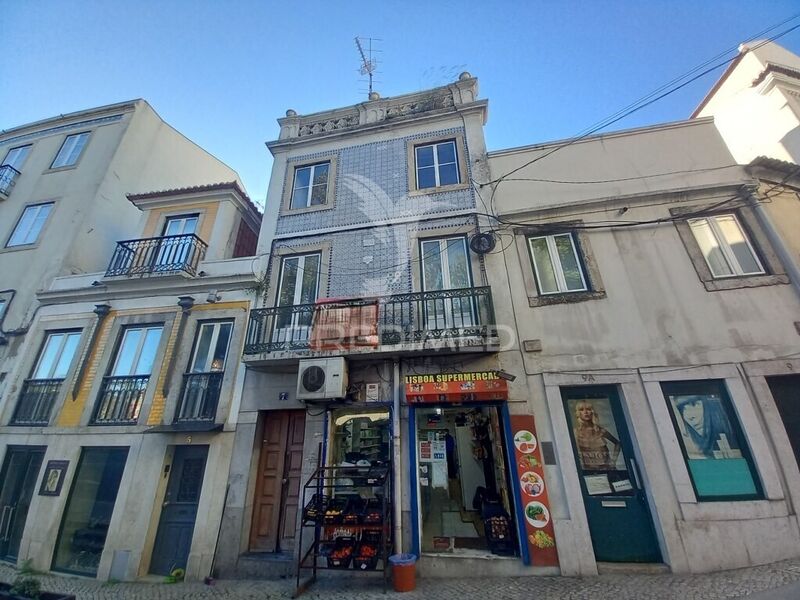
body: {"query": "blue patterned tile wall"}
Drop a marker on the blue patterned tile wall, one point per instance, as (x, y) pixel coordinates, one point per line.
(372, 186)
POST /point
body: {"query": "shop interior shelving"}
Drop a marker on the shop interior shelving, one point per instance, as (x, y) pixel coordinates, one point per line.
(339, 486)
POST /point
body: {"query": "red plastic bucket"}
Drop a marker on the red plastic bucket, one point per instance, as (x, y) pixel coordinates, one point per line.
(404, 572)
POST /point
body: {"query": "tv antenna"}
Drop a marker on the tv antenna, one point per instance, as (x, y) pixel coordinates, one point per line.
(369, 65)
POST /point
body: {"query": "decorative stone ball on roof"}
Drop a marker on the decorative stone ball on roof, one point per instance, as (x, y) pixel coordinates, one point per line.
(374, 96)
(291, 113)
(464, 76)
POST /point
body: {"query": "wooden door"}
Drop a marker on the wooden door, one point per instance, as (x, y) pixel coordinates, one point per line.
(277, 494)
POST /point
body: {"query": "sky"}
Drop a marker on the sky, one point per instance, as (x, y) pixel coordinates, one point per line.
(223, 72)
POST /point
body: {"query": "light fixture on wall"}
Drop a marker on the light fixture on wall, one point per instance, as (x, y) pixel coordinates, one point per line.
(507, 376)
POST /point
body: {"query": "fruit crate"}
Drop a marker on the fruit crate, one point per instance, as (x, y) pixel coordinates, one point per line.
(334, 512)
(499, 535)
(352, 516)
(365, 558)
(314, 511)
(372, 513)
(341, 553)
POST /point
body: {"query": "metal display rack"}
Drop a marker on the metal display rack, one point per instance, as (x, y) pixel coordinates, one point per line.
(361, 495)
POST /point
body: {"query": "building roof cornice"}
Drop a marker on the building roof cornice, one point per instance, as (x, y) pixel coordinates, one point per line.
(127, 106)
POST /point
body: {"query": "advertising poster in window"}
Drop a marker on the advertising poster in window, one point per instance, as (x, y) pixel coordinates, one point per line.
(534, 503)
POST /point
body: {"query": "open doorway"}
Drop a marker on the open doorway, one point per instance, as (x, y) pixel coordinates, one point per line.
(465, 507)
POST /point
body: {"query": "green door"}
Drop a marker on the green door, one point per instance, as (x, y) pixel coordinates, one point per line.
(615, 501)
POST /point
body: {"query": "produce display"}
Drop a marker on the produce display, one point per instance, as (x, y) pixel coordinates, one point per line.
(314, 511)
(497, 527)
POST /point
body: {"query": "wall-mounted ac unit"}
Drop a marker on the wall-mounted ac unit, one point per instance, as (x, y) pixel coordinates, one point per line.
(322, 379)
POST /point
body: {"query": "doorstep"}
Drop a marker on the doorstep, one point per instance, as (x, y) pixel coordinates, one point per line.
(611, 568)
(476, 564)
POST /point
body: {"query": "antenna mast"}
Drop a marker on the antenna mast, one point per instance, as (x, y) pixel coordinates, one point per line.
(368, 65)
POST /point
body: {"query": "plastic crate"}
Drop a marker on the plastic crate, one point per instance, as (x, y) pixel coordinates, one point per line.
(353, 514)
(372, 513)
(364, 562)
(372, 535)
(499, 534)
(314, 510)
(334, 512)
(341, 553)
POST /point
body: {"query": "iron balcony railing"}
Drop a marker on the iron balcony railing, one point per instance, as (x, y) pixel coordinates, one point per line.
(36, 401)
(120, 400)
(8, 177)
(373, 322)
(165, 254)
(199, 397)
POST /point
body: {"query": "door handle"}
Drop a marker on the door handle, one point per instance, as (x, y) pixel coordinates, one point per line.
(284, 481)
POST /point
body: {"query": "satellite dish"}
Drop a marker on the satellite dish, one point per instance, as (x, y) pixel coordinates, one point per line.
(482, 243)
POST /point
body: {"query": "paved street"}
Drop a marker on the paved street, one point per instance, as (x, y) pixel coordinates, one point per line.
(779, 581)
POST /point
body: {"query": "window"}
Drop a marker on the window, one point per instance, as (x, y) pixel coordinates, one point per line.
(39, 392)
(2, 308)
(556, 264)
(30, 224)
(16, 157)
(90, 505)
(123, 390)
(211, 347)
(436, 165)
(70, 150)
(725, 246)
(713, 446)
(299, 283)
(310, 186)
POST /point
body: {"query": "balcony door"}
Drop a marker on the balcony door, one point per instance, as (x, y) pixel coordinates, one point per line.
(299, 285)
(445, 266)
(175, 251)
(203, 381)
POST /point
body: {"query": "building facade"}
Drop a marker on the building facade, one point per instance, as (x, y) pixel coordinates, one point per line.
(654, 316)
(118, 427)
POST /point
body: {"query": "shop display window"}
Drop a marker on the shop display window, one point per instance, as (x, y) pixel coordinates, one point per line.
(89, 509)
(463, 481)
(713, 446)
(360, 437)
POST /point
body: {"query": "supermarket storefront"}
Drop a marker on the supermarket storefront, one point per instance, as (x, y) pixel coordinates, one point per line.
(476, 473)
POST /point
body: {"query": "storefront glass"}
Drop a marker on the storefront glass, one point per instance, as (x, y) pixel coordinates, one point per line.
(360, 437)
(463, 482)
(89, 509)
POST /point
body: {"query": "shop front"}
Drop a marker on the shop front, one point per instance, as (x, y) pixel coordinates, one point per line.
(477, 479)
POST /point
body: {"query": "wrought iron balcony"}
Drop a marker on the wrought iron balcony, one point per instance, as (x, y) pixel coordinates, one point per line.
(8, 177)
(378, 323)
(165, 254)
(199, 397)
(36, 402)
(120, 400)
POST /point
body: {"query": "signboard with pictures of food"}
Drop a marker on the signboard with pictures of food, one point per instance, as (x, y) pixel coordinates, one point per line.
(539, 533)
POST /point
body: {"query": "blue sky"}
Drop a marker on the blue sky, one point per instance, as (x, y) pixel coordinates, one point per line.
(222, 72)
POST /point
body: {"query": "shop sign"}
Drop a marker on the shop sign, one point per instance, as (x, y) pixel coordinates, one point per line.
(533, 500)
(480, 386)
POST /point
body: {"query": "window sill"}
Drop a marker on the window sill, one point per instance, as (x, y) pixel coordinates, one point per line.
(59, 169)
(746, 281)
(308, 209)
(565, 298)
(20, 247)
(438, 190)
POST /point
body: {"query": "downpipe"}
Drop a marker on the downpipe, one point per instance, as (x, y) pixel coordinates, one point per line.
(397, 488)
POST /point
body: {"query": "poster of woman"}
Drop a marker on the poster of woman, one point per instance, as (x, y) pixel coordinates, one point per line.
(704, 427)
(596, 435)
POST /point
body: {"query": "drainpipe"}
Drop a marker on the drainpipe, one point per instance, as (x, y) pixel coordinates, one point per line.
(777, 243)
(101, 310)
(397, 461)
(186, 303)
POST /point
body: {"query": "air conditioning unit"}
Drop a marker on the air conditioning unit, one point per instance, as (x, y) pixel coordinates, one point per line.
(322, 379)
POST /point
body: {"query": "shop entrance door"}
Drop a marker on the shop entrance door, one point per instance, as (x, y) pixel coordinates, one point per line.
(178, 515)
(18, 480)
(277, 494)
(616, 505)
(786, 392)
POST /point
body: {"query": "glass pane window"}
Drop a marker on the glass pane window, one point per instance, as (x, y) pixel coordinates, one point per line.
(16, 157)
(70, 150)
(211, 347)
(90, 506)
(725, 246)
(713, 446)
(56, 355)
(437, 165)
(556, 264)
(30, 224)
(2, 307)
(310, 186)
(183, 225)
(137, 351)
(299, 286)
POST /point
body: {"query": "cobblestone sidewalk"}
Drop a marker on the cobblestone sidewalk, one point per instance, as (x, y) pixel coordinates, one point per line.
(729, 584)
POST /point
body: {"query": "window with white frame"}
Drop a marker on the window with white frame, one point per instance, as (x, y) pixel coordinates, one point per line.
(56, 355)
(725, 246)
(556, 264)
(70, 150)
(310, 186)
(436, 165)
(137, 351)
(30, 224)
(15, 157)
(211, 347)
